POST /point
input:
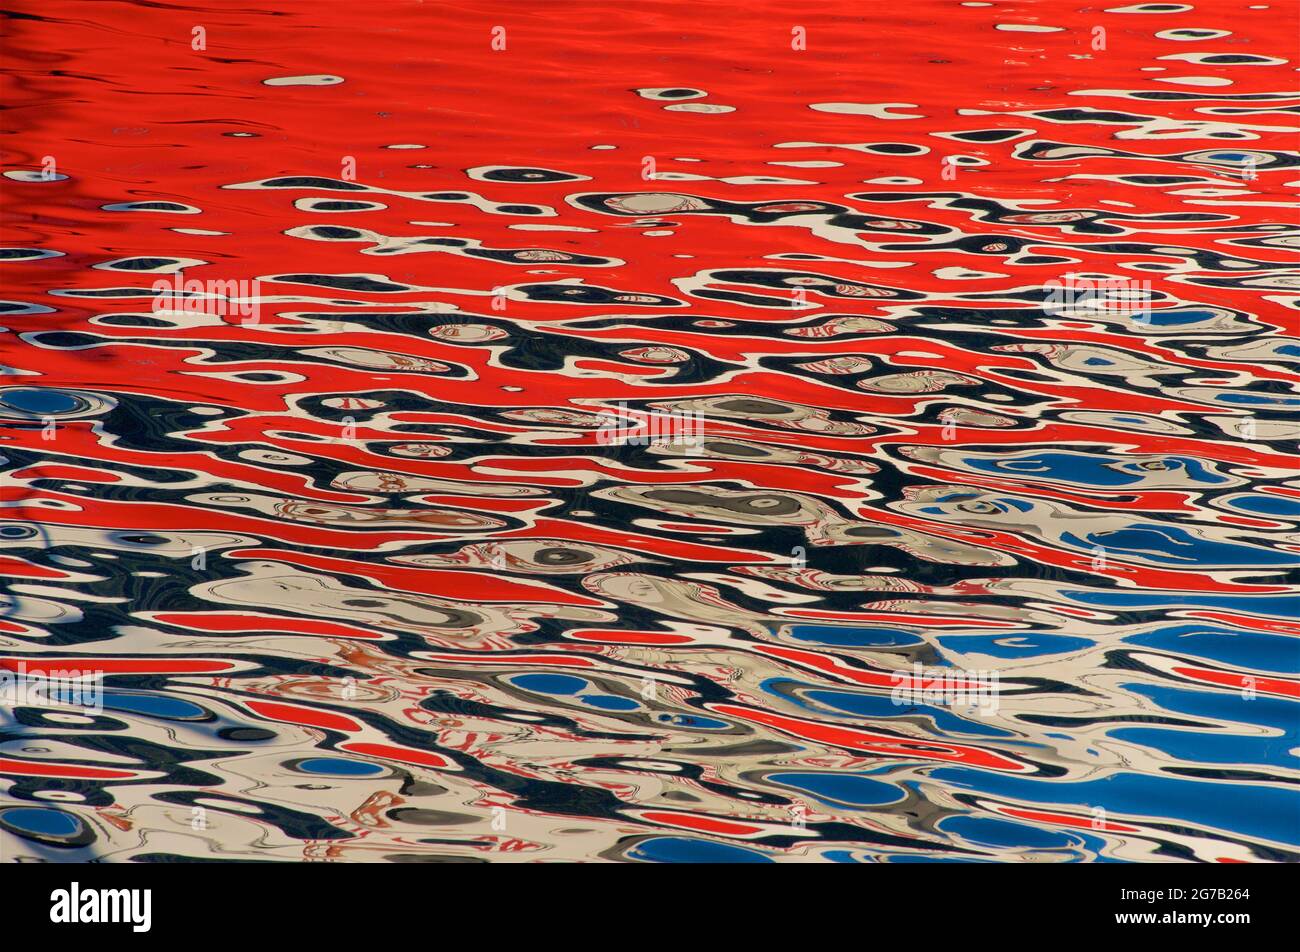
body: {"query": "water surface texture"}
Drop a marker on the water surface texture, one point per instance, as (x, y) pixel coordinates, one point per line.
(661, 432)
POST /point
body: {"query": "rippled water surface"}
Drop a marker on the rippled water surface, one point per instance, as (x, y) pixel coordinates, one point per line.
(839, 432)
